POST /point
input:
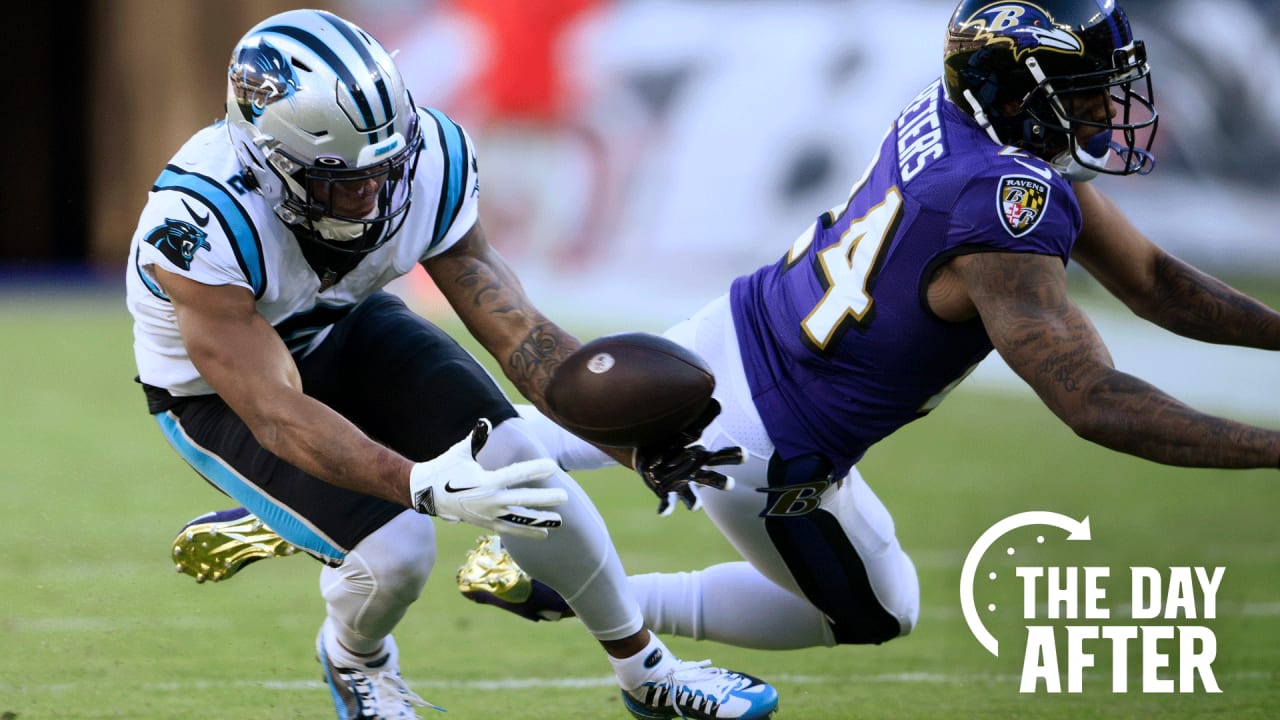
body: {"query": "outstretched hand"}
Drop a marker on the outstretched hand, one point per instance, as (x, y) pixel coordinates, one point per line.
(674, 470)
(455, 488)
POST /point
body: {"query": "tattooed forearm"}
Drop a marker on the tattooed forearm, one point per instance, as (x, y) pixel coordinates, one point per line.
(490, 301)
(1193, 304)
(1132, 416)
(478, 285)
(1052, 344)
(536, 359)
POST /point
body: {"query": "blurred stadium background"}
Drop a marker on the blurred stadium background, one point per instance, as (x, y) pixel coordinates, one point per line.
(637, 155)
(647, 142)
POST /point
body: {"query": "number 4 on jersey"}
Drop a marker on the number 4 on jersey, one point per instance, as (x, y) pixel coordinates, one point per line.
(845, 269)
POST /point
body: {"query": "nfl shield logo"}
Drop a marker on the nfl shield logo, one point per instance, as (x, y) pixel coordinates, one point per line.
(1022, 202)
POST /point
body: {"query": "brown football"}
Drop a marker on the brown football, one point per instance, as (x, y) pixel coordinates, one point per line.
(630, 389)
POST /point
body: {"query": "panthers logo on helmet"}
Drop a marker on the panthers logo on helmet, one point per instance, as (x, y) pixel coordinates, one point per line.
(260, 76)
(1024, 27)
(179, 241)
(1022, 203)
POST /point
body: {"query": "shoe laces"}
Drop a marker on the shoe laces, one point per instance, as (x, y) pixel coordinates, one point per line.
(713, 679)
(393, 698)
(696, 686)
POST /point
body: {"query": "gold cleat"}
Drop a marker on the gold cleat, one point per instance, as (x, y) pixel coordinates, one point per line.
(214, 547)
(488, 568)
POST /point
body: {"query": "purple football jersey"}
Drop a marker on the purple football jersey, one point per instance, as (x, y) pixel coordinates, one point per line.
(839, 345)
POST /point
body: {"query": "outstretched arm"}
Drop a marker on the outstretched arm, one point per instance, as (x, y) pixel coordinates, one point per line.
(243, 359)
(488, 297)
(491, 302)
(1161, 288)
(1050, 343)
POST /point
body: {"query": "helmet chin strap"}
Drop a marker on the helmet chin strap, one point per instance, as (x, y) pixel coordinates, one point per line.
(1096, 153)
(1065, 163)
(339, 230)
(1070, 167)
(343, 231)
(1068, 163)
(980, 116)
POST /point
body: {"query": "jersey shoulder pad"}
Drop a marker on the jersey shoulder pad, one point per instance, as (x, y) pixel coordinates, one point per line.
(200, 227)
(451, 171)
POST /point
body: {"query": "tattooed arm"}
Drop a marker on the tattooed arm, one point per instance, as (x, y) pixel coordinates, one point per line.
(1162, 289)
(488, 297)
(486, 294)
(1050, 343)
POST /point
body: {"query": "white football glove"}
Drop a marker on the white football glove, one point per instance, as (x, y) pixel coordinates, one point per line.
(455, 488)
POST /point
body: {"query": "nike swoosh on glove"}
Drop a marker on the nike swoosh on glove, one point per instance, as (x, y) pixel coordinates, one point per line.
(453, 487)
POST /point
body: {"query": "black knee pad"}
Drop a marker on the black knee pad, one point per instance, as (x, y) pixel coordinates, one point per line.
(819, 555)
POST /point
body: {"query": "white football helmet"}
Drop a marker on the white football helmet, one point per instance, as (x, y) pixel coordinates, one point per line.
(325, 128)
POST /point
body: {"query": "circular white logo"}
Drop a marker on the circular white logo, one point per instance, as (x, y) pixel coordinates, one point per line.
(600, 363)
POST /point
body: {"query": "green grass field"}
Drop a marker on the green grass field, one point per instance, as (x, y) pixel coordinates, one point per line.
(95, 623)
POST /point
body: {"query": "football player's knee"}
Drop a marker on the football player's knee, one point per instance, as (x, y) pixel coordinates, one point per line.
(908, 604)
(887, 607)
(395, 559)
(404, 573)
(868, 630)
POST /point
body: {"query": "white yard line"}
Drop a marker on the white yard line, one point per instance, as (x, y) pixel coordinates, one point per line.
(40, 626)
(922, 678)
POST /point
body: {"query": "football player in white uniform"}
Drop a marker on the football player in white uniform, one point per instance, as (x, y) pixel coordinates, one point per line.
(276, 365)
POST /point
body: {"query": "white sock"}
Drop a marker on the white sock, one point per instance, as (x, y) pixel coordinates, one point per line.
(341, 656)
(654, 661)
(707, 605)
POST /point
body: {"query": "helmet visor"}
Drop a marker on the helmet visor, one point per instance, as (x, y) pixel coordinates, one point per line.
(369, 194)
(341, 205)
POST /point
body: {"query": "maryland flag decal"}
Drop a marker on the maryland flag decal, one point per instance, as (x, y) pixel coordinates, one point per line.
(1022, 203)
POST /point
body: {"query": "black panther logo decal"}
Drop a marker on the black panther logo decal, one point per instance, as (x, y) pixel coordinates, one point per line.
(179, 241)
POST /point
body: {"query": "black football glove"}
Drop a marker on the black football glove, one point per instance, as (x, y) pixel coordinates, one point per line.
(672, 469)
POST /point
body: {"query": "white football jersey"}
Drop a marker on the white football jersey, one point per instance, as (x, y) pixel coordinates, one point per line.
(201, 221)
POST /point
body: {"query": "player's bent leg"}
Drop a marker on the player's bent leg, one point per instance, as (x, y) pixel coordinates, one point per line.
(672, 603)
(366, 596)
(577, 559)
(579, 562)
(707, 605)
(832, 544)
(890, 574)
(891, 580)
(491, 577)
(843, 553)
(380, 578)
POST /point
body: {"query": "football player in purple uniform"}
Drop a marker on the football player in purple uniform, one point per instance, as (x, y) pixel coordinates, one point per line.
(954, 242)
(274, 363)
